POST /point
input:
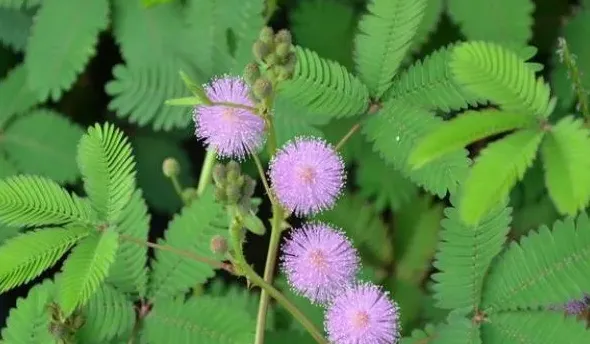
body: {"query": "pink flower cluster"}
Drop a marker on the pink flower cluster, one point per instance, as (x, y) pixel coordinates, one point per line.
(307, 176)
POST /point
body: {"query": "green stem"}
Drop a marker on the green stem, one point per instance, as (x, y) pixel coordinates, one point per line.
(177, 187)
(574, 73)
(206, 172)
(348, 135)
(235, 105)
(283, 301)
(263, 178)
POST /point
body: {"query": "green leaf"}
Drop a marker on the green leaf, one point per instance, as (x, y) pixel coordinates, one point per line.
(291, 120)
(361, 222)
(493, 72)
(495, 172)
(479, 20)
(185, 101)
(58, 49)
(429, 83)
(464, 255)
(197, 90)
(415, 238)
(14, 28)
(463, 130)
(37, 201)
(288, 337)
(324, 87)
(433, 13)
(192, 230)
(566, 162)
(26, 256)
(201, 319)
(326, 27)
(129, 270)
(85, 270)
(107, 165)
(30, 321)
(150, 152)
(7, 232)
(44, 143)
(245, 20)
(108, 314)
(381, 183)
(546, 268)
(458, 330)
(16, 4)
(534, 327)
(7, 169)
(394, 132)
(16, 96)
(385, 35)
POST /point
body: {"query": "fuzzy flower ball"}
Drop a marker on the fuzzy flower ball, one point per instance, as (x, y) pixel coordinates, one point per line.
(577, 307)
(318, 261)
(363, 314)
(233, 132)
(307, 176)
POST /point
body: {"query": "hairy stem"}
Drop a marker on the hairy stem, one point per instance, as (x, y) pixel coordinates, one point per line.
(263, 178)
(206, 172)
(177, 187)
(574, 73)
(348, 136)
(283, 301)
(187, 254)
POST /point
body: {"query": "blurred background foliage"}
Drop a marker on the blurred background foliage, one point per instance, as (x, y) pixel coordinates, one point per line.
(65, 64)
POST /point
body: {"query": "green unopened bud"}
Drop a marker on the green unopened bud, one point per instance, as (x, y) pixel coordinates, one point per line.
(261, 50)
(290, 62)
(283, 73)
(189, 194)
(249, 187)
(219, 174)
(240, 181)
(218, 245)
(234, 168)
(220, 195)
(251, 73)
(283, 50)
(170, 167)
(266, 35)
(272, 59)
(283, 36)
(233, 194)
(262, 88)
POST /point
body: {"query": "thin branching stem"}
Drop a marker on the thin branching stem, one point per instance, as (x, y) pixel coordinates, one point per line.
(206, 172)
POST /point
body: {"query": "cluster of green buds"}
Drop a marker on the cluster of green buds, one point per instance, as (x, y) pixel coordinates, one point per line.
(64, 329)
(275, 58)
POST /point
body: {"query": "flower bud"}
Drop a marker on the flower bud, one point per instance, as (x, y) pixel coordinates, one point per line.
(233, 167)
(266, 35)
(170, 167)
(249, 187)
(290, 62)
(233, 194)
(189, 194)
(261, 50)
(218, 245)
(283, 50)
(251, 73)
(219, 174)
(283, 73)
(272, 59)
(220, 195)
(283, 36)
(262, 88)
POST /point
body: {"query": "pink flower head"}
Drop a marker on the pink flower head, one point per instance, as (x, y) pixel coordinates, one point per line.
(363, 314)
(233, 132)
(319, 260)
(307, 175)
(577, 307)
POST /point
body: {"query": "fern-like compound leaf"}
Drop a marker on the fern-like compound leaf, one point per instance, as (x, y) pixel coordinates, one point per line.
(547, 268)
(18, 4)
(464, 255)
(30, 322)
(429, 83)
(463, 130)
(534, 327)
(362, 224)
(433, 13)
(396, 129)
(108, 314)
(58, 49)
(85, 269)
(457, 330)
(173, 275)
(107, 165)
(37, 201)
(324, 87)
(495, 172)
(7, 232)
(43, 142)
(26, 256)
(493, 72)
(566, 162)
(245, 19)
(509, 22)
(202, 319)
(129, 271)
(14, 28)
(16, 96)
(386, 33)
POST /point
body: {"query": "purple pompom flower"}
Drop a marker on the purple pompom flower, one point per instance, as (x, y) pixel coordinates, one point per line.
(577, 307)
(363, 314)
(307, 176)
(318, 261)
(233, 132)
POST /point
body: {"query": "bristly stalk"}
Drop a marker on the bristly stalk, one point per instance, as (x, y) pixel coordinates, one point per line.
(575, 75)
(206, 172)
